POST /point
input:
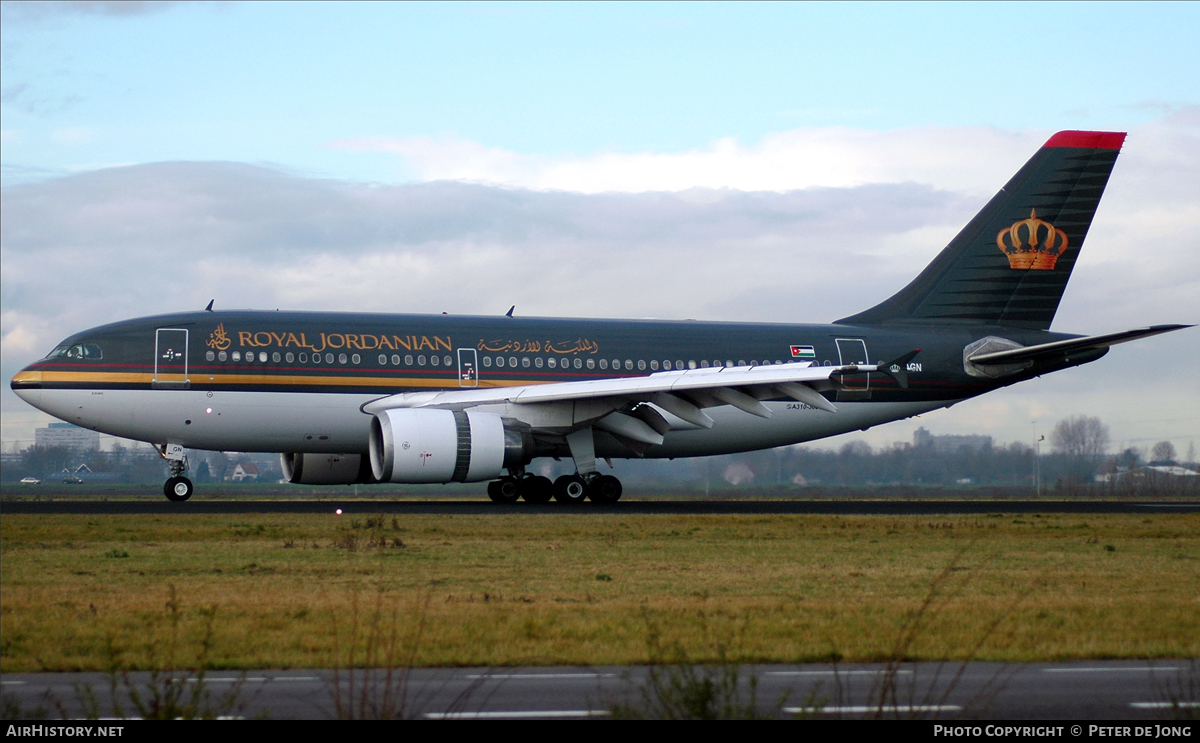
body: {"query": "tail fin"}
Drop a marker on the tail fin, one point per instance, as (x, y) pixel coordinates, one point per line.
(1010, 264)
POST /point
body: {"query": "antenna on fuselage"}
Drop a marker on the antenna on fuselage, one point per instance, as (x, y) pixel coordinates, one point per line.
(510, 311)
(210, 304)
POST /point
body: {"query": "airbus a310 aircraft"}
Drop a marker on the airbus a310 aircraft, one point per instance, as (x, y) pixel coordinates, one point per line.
(368, 398)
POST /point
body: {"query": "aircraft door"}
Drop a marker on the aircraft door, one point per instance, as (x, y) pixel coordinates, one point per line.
(853, 351)
(468, 367)
(170, 358)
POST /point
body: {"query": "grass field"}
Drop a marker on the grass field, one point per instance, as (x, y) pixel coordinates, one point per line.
(282, 591)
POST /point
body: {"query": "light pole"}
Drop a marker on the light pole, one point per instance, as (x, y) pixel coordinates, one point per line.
(1037, 462)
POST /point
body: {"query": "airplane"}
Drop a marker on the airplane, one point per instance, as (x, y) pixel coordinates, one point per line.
(387, 398)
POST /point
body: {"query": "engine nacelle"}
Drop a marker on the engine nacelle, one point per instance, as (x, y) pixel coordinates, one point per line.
(439, 446)
(324, 469)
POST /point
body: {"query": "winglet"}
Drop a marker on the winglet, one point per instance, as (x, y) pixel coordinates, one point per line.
(210, 304)
(510, 311)
(897, 368)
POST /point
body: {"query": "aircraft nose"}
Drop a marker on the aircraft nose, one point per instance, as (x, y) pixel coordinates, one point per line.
(27, 383)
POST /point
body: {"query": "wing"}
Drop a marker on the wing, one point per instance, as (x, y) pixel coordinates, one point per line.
(631, 407)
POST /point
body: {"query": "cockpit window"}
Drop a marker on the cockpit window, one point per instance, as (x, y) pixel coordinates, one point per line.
(89, 351)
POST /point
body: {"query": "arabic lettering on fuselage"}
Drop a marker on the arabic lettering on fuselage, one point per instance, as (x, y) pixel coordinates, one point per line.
(317, 342)
(579, 345)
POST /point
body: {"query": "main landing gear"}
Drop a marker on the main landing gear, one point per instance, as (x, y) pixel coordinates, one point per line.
(566, 489)
(177, 487)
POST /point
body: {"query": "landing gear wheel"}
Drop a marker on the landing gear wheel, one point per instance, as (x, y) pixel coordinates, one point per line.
(178, 489)
(537, 489)
(504, 490)
(570, 489)
(605, 489)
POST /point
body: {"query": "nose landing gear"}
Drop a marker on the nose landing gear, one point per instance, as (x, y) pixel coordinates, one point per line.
(177, 487)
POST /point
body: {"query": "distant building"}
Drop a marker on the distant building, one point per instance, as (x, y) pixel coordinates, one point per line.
(950, 444)
(68, 436)
(243, 471)
(1153, 471)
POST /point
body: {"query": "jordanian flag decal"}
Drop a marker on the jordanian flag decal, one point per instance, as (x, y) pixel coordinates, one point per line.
(803, 352)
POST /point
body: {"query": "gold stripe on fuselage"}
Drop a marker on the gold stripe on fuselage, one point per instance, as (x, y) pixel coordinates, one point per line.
(142, 378)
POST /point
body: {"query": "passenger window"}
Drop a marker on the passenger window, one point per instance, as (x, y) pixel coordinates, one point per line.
(691, 364)
(408, 360)
(641, 365)
(578, 363)
(447, 360)
(500, 361)
(591, 363)
(603, 363)
(525, 362)
(421, 360)
(395, 359)
(654, 365)
(629, 364)
(222, 356)
(538, 362)
(704, 363)
(276, 357)
(290, 357)
(303, 358)
(355, 359)
(553, 362)
(512, 361)
(487, 360)
(237, 355)
(383, 359)
(328, 358)
(262, 357)
(210, 356)
(434, 361)
(667, 364)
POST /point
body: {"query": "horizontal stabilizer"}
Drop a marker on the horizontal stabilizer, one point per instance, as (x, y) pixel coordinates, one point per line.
(897, 368)
(1073, 345)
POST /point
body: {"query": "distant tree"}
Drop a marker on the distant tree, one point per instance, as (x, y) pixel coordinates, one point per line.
(1163, 451)
(1083, 440)
(1191, 456)
(1080, 436)
(1129, 459)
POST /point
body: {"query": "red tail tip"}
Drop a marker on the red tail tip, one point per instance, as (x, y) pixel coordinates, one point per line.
(1091, 140)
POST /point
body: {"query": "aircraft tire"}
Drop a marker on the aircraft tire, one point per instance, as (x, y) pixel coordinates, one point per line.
(537, 489)
(178, 489)
(570, 489)
(505, 490)
(605, 489)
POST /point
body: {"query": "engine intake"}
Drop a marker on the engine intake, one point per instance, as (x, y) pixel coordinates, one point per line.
(439, 446)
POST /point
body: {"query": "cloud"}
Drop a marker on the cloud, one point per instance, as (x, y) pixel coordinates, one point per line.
(111, 244)
(26, 10)
(965, 158)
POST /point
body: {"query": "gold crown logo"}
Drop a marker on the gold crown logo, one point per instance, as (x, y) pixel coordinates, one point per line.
(1032, 243)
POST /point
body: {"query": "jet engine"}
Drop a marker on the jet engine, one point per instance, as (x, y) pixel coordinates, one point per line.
(438, 446)
(324, 469)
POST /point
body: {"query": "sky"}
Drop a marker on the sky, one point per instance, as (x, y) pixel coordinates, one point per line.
(755, 162)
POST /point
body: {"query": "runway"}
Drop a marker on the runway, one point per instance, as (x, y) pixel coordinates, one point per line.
(907, 507)
(1083, 690)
